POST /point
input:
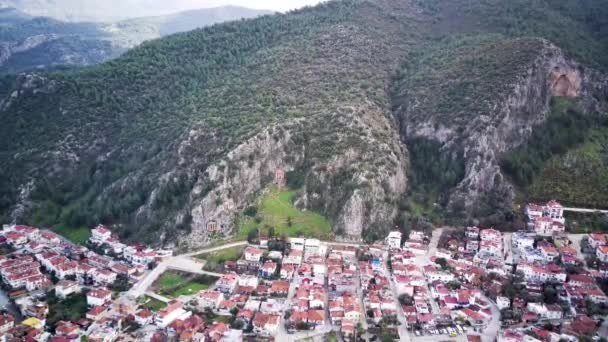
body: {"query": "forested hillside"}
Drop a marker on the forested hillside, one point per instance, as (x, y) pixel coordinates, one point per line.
(380, 111)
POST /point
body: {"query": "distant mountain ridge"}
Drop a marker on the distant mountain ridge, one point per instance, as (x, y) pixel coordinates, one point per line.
(28, 42)
(98, 11)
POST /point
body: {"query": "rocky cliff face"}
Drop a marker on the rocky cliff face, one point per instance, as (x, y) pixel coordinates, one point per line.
(228, 186)
(225, 188)
(505, 121)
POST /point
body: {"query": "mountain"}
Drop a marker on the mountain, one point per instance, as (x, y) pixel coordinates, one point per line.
(33, 42)
(381, 112)
(99, 11)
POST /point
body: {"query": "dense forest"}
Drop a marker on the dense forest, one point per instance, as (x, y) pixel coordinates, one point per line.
(565, 128)
(93, 145)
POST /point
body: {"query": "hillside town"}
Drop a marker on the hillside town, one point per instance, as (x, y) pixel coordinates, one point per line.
(452, 284)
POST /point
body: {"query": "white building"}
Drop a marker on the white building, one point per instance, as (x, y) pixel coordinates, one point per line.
(602, 253)
(522, 240)
(503, 302)
(99, 297)
(100, 234)
(253, 254)
(174, 310)
(65, 288)
(297, 243)
(393, 240)
(312, 246)
(248, 281)
(554, 210)
(210, 299)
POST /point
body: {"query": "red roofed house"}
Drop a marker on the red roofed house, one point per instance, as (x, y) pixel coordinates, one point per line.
(279, 288)
(15, 238)
(50, 238)
(348, 327)
(227, 282)
(100, 234)
(602, 253)
(245, 316)
(268, 269)
(554, 210)
(95, 313)
(174, 310)
(65, 288)
(217, 331)
(491, 234)
(7, 322)
(597, 239)
(265, 325)
(67, 328)
(316, 317)
(144, 317)
(210, 299)
(186, 328)
(99, 297)
(253, 254)
(473, 317)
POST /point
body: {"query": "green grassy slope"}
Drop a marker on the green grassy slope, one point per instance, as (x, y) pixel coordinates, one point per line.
(276, 210)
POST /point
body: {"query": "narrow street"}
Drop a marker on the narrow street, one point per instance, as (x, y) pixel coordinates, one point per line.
(404, 335)
(361, 304)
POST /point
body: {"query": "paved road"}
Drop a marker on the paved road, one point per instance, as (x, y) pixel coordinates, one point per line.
(215, 249)
(576, 241)
(491, 331)
(359, 294)
(586, 210)
(603, 330)
(347, 244)
(508, 248)
(404, 335)
(158, 297)
(182, 262)
(282, 334)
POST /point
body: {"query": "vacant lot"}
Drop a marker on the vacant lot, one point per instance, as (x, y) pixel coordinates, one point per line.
(173, 284)
(76, 235)
(276, 210)
(151, 304)
(215, 260)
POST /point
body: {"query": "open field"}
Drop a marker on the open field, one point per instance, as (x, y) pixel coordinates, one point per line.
(276, 210)
(173, 284)
(78, 235)
(215, 260)
(229, 254)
